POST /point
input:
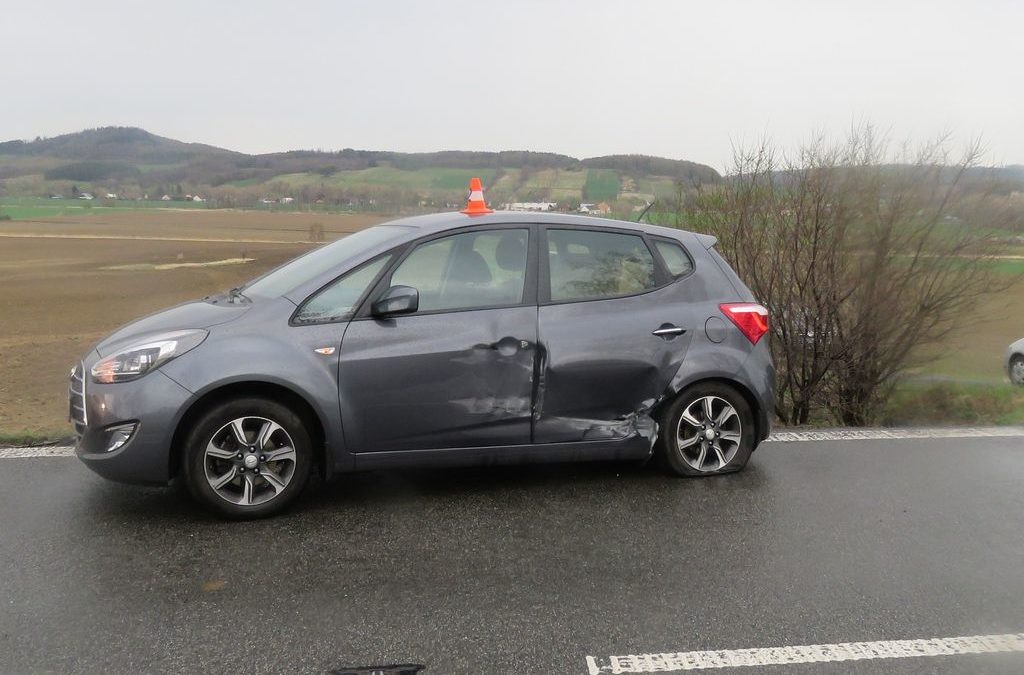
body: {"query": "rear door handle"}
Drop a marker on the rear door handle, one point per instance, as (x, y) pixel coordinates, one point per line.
(668, 331)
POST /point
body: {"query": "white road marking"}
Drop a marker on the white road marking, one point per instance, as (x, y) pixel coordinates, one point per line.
(777, 437)
(770, 656)
(895, 434)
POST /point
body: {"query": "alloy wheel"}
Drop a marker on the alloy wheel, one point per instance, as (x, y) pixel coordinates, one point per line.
(249, 461)
(709, 433)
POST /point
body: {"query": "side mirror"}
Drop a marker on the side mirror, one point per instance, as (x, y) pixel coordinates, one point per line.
(396, 300)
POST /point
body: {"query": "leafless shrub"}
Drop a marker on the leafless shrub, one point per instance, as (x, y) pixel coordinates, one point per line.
(857, 254)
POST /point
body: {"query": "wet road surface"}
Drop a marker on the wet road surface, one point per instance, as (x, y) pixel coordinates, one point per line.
(523, 570)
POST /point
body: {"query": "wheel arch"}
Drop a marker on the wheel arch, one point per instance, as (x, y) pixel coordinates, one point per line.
(761, 422)
(269, 390)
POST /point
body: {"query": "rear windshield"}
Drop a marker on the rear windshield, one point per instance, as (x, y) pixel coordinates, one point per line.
(311, 265)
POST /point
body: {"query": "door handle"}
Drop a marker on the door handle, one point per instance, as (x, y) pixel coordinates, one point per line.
(668, 331)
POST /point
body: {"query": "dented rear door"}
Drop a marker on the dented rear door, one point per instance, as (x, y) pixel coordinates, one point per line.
(601, 369)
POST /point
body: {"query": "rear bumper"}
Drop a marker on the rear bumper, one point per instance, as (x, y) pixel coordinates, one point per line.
(153, 403)
(758, 374)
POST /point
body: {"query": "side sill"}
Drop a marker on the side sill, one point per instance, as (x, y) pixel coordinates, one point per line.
(633, 448)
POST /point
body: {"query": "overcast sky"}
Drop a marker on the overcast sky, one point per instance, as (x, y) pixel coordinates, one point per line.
(678, 79)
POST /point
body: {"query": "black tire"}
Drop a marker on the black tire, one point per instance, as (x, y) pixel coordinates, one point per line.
(215, 426)
(1015, 364)
(735, 435)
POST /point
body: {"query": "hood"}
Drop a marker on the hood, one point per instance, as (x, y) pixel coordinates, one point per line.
(197, 314)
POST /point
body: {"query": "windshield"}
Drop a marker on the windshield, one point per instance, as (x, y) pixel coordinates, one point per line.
(309, 266)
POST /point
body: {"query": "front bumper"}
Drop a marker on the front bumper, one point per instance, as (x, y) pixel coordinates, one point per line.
(153, 403)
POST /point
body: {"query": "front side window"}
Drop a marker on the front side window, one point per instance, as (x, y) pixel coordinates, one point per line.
(472, 269)
(338, 300)
(588, 265)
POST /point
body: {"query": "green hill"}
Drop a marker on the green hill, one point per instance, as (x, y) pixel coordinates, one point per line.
(132, 162)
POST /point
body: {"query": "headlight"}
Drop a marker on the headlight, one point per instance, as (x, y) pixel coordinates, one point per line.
(135, 361)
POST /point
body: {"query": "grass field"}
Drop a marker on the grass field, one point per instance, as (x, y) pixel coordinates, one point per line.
(601, 186)
(425, 180)
(25, 208)
(29, 208)
(1010, 267)
(62, 293)
(556, 184)
(974, 352)
(657, 188)
(949, 403)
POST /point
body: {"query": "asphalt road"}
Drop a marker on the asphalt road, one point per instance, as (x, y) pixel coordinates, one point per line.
(524, 570)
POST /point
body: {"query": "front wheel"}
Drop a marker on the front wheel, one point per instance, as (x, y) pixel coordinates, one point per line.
(248, 458)
(708, 429)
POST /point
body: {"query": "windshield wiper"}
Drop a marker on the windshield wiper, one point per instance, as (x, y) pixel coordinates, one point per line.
(237, 294)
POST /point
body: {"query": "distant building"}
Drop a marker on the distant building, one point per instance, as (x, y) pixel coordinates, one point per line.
(197, 198)
(165, 198)
(287, 200)
(531, 206)
(111, 195)
(602, 209)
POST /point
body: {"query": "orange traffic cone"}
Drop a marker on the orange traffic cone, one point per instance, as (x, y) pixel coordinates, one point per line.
(476, 205)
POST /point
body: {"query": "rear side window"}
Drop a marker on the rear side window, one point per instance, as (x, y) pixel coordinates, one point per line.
(589, 265)
(676, 260)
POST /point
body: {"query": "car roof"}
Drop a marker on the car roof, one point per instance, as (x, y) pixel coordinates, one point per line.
(441, 222)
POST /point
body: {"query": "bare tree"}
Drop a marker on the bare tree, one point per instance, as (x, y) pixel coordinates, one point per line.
(914, 269)
(856, 256)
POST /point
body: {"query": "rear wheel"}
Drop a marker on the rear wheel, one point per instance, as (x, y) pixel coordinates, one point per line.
(248, 458)
(1017, 370)
(707, 430)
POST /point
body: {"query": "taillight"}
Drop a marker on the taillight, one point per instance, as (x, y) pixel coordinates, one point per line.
(749, 317)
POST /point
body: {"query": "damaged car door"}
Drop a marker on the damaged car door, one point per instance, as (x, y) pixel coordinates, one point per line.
(610, 336)
(454, 369)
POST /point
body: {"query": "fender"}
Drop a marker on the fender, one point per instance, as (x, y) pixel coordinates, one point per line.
(295, 366)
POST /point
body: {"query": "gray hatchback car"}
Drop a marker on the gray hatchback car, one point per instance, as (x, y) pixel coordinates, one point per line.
(438, 340)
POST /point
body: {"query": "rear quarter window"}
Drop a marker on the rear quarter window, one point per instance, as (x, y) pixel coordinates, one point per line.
(675, 257)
